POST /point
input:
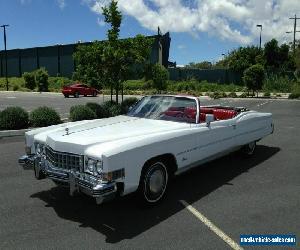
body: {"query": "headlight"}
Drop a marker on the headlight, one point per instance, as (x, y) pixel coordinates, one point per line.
(99, 167)
(92, 166)
(39, 148)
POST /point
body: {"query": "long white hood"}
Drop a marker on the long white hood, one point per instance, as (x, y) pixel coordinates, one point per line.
(84, 134)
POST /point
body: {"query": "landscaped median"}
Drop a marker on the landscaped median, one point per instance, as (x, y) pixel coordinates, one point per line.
(275, 87)
(15, 121)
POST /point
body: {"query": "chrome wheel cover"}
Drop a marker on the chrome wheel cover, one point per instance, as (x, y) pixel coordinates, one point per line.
(155, 182)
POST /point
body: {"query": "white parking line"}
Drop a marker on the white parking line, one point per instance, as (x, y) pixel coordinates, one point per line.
(261, 104)
(212, 227)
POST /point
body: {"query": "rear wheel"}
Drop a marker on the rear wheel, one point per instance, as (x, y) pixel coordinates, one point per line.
(153, 183)
(66, 96)
(76, 95)
(249, 148)
(94, 94)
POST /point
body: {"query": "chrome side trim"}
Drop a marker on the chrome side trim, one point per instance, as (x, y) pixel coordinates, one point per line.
(205, 160)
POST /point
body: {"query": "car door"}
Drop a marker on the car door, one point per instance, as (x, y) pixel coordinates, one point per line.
(215, 138)
(82, 89)
(86, 90)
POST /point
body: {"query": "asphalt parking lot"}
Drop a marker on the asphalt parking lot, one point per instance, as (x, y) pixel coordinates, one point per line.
(257, 195)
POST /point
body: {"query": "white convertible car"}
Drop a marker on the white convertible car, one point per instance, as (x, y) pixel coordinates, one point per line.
(161, 136)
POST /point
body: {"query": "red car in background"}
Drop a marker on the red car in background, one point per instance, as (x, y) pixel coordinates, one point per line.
(77, 89)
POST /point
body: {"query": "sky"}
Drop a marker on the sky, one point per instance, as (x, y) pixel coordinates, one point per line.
(200, 29)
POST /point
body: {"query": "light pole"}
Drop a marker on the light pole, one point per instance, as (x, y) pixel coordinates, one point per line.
(4, 28)
(295, 31)
(259, 26)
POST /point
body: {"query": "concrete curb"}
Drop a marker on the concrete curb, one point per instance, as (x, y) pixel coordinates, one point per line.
(30, 92)
(12, 133)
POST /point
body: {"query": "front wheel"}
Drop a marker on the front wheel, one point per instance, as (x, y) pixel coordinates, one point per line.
(76, 95)
(249, 148)
(94, 94)
(153, 183)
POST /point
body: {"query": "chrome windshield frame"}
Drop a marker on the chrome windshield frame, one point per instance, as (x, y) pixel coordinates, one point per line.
(196, 99)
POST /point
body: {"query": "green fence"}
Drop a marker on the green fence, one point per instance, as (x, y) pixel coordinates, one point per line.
(58, 59)
(224, 76)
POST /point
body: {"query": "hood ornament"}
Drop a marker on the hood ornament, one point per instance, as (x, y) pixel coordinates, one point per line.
(67, 131)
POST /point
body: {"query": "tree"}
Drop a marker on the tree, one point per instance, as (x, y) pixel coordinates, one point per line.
(278, 57)
(297, 62)
(121, 56)
(160, 76)
(29, 79)
(200, 65)
(114, 61)
(253, 77)
(241, 59)
(89, 64)
(41, 78)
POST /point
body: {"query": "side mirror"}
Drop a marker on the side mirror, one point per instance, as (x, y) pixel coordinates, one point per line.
(208, 119)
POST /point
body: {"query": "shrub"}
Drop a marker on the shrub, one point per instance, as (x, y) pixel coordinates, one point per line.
(253, 77)
(56, 83)
(29, 79)
(41, 77)
(160, 76)
(43, 117)
(217, 95)
(115, 110)
(278, 83)
(13, 118)
(81, 112)
(232, 95)
(295, 94)
(148, 84)
(297, 74)
(223, 94)
(134, 85)
(112, 108)
(127, 103)
(16, 87)
(243, 95)
(98, 109)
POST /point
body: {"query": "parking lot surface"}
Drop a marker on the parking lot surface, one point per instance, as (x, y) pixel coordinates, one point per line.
(257, 195)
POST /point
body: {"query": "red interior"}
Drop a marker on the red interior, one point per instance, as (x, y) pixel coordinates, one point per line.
(219, 114)
(190, 113)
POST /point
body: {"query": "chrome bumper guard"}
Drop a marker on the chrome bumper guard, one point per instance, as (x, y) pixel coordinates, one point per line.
(77, 182)
(26, 161)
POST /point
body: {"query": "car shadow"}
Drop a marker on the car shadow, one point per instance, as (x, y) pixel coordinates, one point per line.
(124, 219)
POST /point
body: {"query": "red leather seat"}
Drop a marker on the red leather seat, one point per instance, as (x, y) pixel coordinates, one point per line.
(224, 114)
(202, 117)
(173, 113)
(190, 112)
(206, 110)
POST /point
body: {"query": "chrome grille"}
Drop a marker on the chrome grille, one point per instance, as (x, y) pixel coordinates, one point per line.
(63, 160)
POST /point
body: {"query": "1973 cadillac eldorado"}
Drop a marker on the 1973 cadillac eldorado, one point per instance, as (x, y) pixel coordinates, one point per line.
(161, 136)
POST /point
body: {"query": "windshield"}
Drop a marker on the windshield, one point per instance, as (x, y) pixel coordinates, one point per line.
(171, 108)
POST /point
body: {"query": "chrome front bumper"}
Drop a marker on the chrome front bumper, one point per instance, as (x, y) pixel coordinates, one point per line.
(77, 182)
